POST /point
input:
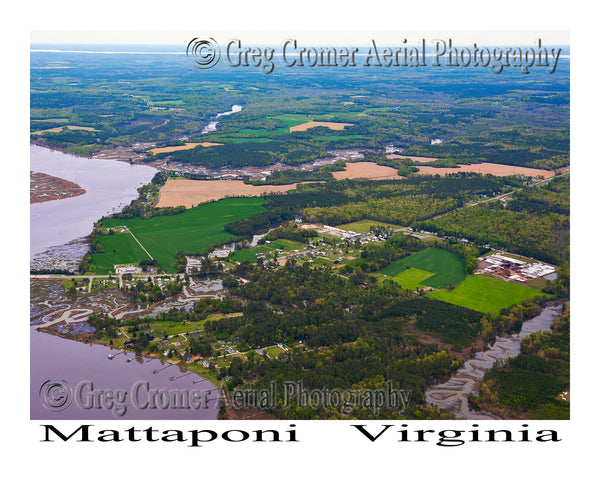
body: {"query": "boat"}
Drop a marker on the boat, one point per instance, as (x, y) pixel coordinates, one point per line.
(110, 356)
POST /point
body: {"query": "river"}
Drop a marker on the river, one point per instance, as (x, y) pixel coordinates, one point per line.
(109, 185)
(73, 381)
(78, 381)
(453, 394)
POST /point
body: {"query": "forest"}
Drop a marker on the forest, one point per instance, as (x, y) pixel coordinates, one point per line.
(401, 202)
(476, 115)
(534, 222)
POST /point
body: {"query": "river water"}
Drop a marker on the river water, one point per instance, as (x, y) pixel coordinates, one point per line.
(453, 394)
(109, 185)
(68, 376)
(212, 126)
(78, 381)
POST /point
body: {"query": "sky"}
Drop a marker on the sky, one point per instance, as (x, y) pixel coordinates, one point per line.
(262, 37)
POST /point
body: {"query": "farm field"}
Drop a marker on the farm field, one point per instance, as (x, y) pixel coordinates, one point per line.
(485, 294)
(445, 268)
(119, 248)
(303, 127)
(187, 146)
(300, 119)
(368, 170)
(192, 231)
(485, 168)
(188, 193)
(293, 123)
(412, 278)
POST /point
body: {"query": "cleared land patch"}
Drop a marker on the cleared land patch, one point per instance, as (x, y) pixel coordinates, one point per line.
(485, 294)
(364, 226)
(192, 231)
(368, 170)
(496, 169)
(187, 146)
(303, 127)
(181, 191)
(59, 129)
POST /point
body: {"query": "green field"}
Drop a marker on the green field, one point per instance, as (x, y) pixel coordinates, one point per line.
(364, 226)
(274, 352)
(192, 231)
(412, 278)
(293, 119)
(485, 294)
(446, 268)
(120, 248)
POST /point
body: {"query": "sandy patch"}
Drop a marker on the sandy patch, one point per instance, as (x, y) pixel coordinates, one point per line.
(485, 168)
(189, 193)
(414, 159)
(368, 170)
(347, 103)
(187, 146)
(330, 125)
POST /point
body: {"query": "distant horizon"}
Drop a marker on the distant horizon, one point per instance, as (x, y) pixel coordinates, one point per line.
(162, 38)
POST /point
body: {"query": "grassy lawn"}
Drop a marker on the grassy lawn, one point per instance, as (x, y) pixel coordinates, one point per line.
(485, 294)
(210, 374)
(364, 226)
(192, 231)
(448, 268)
(175, 328)
(274, 352)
